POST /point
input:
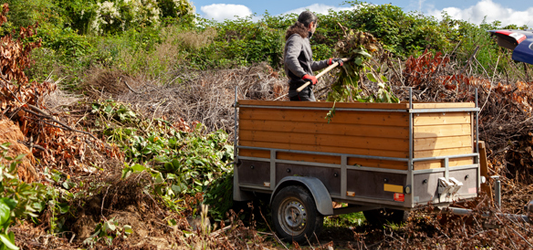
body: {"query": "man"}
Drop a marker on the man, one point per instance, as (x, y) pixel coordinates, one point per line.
(298, 57)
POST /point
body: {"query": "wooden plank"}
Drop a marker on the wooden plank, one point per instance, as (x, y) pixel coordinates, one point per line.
(443, 152)
(341, 117)
(325, 128)
(359, 105)
(442, 143)
(483, 165)
(326, 149)
(327, 140)
(429, 131)
(419, 165)
(254, 153)
(444, 105)
(484, 168)
(441, 118)
(309, 158)
(377, 163)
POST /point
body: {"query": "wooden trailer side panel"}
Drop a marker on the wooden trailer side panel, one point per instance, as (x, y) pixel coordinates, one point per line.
(383, 134)
(442, 134)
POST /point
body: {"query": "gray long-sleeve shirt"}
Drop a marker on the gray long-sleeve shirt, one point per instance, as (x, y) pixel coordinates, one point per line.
(299, 61)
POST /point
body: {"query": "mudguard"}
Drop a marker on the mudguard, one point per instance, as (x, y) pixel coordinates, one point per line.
(317, 189)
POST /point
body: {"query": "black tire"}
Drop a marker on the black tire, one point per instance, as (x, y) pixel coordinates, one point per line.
(379, 217)
(295, 216)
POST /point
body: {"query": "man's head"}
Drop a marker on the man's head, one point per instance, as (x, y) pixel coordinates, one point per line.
(309, 20)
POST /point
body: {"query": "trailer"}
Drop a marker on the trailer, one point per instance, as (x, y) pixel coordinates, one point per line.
(382, 159)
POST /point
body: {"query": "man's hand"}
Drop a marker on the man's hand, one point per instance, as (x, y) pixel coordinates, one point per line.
(312, 79)
(334, 60)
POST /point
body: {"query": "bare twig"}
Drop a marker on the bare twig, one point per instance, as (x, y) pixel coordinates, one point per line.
(63, 125)
(275, 236)
(130, 88)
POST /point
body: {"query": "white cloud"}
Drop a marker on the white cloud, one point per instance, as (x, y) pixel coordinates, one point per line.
(220, 12)
(319, 9)
(420, 3)
(492, 11)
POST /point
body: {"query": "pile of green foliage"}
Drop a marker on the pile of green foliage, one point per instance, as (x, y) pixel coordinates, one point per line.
(358, 46)
(182, 162)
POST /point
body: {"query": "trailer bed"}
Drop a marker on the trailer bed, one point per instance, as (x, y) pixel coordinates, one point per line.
(388, 155)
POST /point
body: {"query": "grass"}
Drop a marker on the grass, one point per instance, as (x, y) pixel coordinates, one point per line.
(345, 220)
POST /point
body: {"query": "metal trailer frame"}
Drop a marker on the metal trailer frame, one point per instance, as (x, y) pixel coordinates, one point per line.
(366, 203)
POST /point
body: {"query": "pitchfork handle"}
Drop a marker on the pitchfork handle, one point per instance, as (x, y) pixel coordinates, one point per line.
(330, 67)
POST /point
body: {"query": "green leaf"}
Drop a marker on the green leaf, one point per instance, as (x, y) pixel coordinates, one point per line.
(176, 189)
(384, 79)
(371, 77)
(128, 229)
(108, 225)
(364, 53)
(9, 202)
(19, 157)
(7, 242)
(159, 179)
(63, 208)
(176, 164)
(5, 213)
(138, 168)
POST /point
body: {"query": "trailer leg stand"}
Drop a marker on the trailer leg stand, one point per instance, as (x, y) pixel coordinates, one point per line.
(497, 191)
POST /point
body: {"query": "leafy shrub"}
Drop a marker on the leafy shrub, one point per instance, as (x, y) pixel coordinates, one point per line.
(241, 42)
(116, 16)
(19, 199)
(66, 42)
(187, 160)
(24, 13)
(173, 11)
(77, 14)
(401, 33)
(219, 196)
(7, 239)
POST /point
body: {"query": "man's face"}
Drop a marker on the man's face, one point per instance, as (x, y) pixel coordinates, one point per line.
(312, 27)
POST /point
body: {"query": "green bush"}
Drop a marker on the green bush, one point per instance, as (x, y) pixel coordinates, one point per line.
(188, 161)
(23, 13)
(176, 11)
(19, 199)
(401, 33)
(242, 42)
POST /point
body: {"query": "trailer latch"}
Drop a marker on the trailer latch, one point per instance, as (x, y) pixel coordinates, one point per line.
(447, 189)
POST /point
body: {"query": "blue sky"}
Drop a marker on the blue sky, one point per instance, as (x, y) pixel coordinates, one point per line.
(518, 12)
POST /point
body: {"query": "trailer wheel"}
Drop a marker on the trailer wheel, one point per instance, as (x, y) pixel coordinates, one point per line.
(378, 217)
(294, 214)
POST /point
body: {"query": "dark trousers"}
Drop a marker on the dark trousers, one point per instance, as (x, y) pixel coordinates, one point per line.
(305, 95)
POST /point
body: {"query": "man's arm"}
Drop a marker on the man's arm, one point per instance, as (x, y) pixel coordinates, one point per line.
(293, 48)
(318, 65)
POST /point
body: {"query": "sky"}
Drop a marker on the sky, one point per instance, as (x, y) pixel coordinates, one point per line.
(519, 12)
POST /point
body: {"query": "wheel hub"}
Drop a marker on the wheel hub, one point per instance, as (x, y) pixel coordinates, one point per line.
(294, 216)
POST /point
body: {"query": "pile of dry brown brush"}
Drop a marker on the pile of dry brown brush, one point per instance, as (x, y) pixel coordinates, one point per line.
(50, 136)
(203, 96)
